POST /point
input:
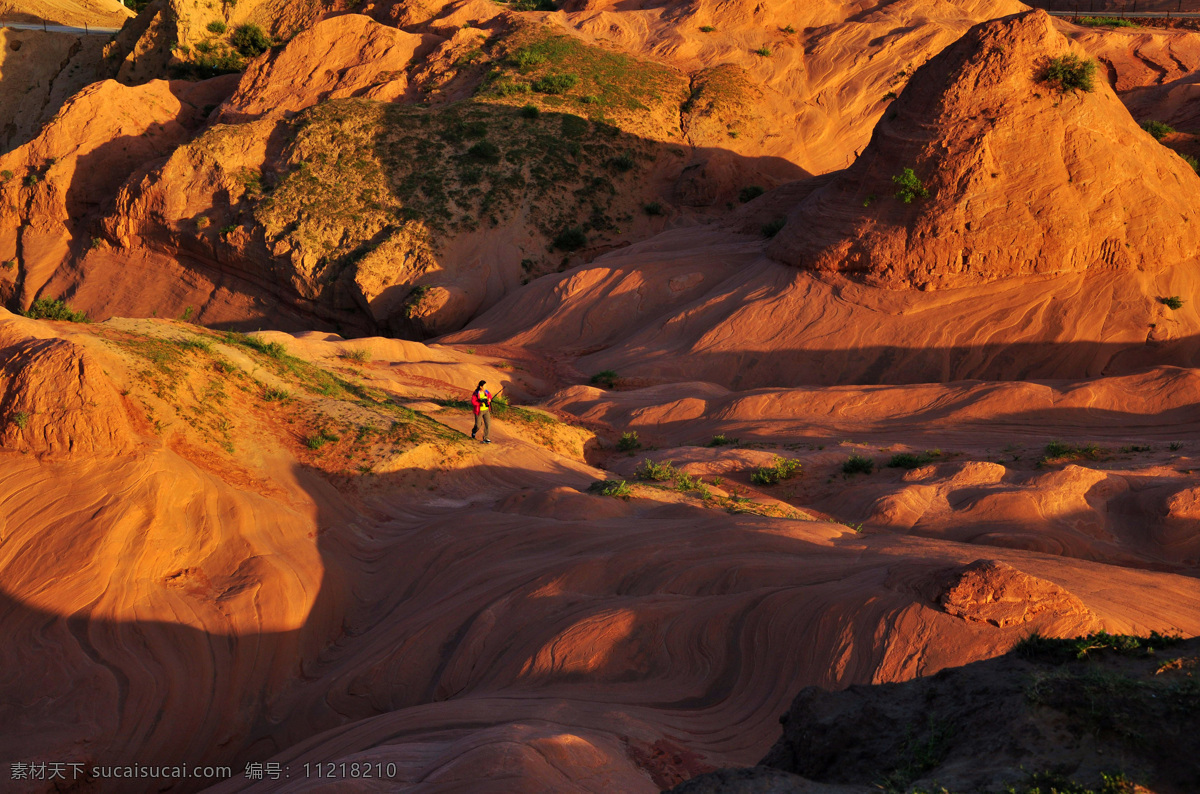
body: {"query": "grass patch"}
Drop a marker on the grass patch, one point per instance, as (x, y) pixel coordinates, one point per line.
(1035, 647)
(1106, 22)
(628, 442)
(780, 469)
(555, 83)
(722, 440)
(1070, 73)
(650, 471)
(858, 464)
(20, 419)
(656, 472)
(357, 355)
(909, 460)
(618, 489)
(55, 309)
(320, 439)
(273, 395)
(272, 349)
(1059, 452)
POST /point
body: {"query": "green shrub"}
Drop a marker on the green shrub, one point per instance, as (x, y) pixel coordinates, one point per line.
(571, 239)
(780, 469)
(656, 472)
(909, 187)
(527, 59)
(357, 355)
(707, 29)
(1192, 161)
(485, 151)
(505, 87)
(250, 40)
(32, 179)
(628, 442)
(618, 489)
(858, 464)
(1070, 72)
(555, 83)
(8, 264)
(606, 378)
(1157, 129)
(530, 112)
(230, 229)
(908, 460)
(203, 222)
(749, 193)
(787, 30)
(623, 162)
(771, 229)
(764, 51)
(54, 309)
(20, 419)
(653, 208)
(6, 175)
(216, 26)
(1173, 302)
(276, 395)
(721, 440)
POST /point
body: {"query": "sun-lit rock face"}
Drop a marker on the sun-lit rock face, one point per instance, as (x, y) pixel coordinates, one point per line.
(1022, 178)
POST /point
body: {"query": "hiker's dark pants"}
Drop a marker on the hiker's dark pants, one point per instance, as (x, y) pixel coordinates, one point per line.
(483, 418)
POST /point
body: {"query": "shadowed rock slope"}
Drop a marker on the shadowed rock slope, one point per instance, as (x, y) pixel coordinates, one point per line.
(1099, 714)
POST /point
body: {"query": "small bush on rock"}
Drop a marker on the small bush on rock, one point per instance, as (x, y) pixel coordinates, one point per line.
(1070, 73)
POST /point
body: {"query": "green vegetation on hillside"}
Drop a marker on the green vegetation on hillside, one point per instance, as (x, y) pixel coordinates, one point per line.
(362, 172)
(564, 72)
(1106, 22)
(54, 309)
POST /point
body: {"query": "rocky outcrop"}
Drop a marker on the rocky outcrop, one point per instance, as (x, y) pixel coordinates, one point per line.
(52, 186)
(989, 591)
(54, 397)
(985, 202)
(343, 57)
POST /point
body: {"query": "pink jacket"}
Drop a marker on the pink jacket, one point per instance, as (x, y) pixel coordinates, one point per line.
(481, 400)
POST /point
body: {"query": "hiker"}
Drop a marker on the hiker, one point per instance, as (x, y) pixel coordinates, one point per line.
(481, 400)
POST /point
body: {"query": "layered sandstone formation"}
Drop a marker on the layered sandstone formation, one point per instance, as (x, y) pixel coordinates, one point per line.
(1097, 193)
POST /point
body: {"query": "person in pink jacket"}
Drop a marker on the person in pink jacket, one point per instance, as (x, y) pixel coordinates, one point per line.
(481, 401)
